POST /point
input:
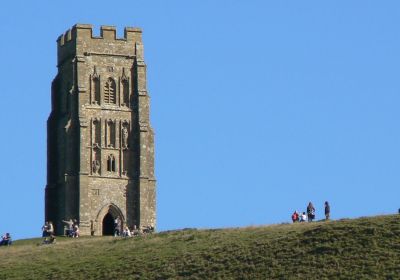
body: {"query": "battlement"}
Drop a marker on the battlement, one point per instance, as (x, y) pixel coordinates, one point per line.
(79, 40)
(85, 32)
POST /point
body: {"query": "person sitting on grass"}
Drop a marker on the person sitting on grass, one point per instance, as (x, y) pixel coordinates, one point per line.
(126, 232)
(70, 227)
(147, 229)
(303, 217)
(50, 229)
(135, 231)
(75, 232)
(6, 240)
(45, 229)
(49, 240)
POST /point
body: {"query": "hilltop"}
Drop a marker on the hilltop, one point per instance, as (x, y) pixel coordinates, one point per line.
(345, 249)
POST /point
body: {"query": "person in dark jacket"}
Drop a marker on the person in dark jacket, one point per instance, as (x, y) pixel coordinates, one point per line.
(327, 210)
(310, 212)
(6, 240)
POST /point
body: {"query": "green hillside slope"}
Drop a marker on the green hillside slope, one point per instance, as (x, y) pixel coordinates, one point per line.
(365, 248)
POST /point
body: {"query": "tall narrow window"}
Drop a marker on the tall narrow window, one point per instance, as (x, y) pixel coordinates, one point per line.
(125, 92)
(111, 163)
(95, 87)
(96, 90)
(125, 162)
(110, 92)
(96, 132)
(111, 133)
(125, 89)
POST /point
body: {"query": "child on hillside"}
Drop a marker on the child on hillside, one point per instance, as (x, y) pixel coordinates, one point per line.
(303, 217)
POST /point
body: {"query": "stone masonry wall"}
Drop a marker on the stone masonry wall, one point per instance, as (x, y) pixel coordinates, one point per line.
(100, 141)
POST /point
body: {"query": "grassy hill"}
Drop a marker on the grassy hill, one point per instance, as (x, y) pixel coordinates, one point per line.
(365, 248)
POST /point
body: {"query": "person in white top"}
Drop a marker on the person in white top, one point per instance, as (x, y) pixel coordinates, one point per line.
(50, 228)
(70, 227)
(126, 232)
(76, 231)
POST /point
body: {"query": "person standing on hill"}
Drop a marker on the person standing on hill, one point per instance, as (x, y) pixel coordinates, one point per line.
(295, 217)
(327, 210)
(310, 212)
(117, 227)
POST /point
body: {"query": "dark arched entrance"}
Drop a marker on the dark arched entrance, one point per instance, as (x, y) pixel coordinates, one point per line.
(108, 224)
(106, 217)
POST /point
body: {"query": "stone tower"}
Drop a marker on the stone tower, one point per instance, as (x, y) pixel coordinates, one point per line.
(100, 144)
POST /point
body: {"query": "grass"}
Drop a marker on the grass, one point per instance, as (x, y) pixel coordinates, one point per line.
(364, 248)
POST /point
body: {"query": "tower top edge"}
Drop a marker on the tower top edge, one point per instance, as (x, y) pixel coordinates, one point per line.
(107, 32)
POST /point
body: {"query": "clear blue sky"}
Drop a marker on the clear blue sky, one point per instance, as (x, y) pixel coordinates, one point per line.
(258, 106)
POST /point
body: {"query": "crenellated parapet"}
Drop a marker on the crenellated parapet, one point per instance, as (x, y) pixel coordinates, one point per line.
(79, 40)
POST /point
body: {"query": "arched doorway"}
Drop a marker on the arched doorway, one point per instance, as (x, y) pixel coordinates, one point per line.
(108, 224)
(105, 219)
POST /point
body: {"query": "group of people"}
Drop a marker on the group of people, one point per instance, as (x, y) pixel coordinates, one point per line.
(47, 229)
(129, 233)
(6, 240)
(310, 216)
(72, 228)
(126, 232)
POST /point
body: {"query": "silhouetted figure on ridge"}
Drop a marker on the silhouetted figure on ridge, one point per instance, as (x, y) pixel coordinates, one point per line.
(310, 212)
(327, 210)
